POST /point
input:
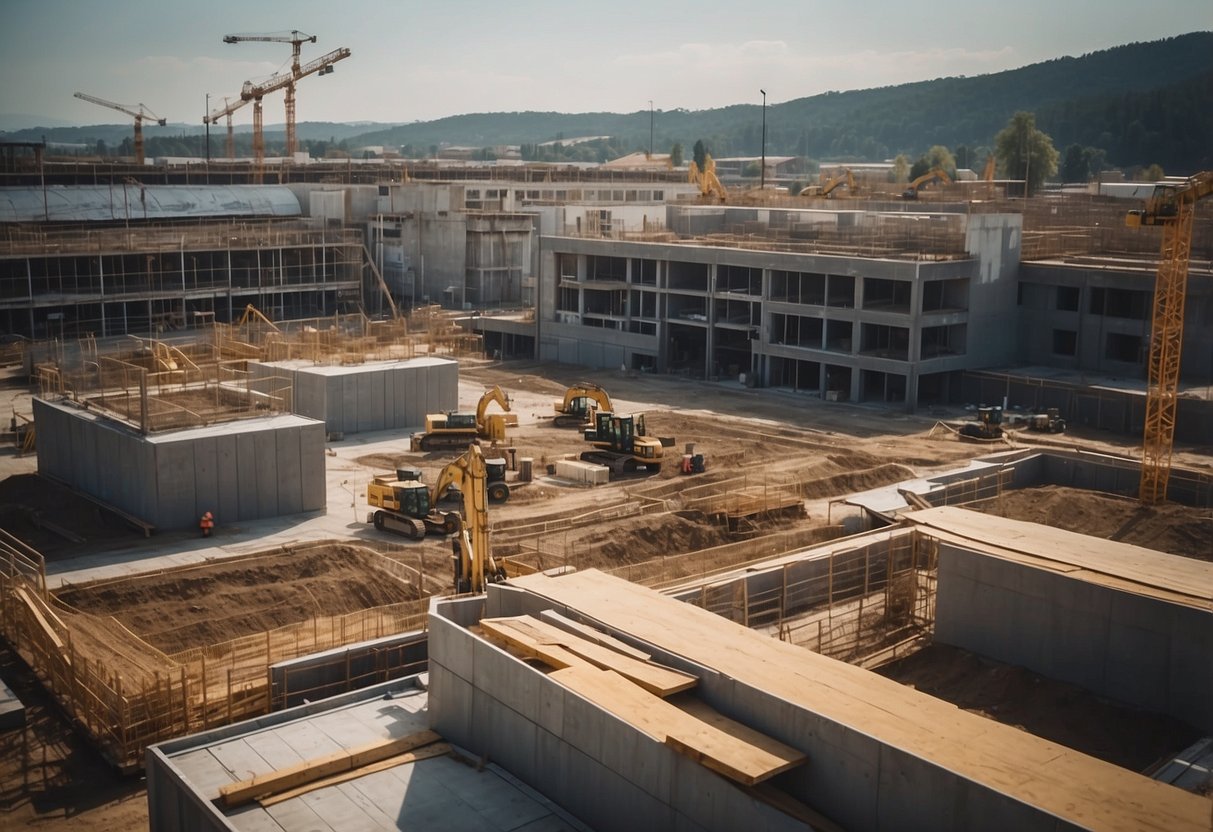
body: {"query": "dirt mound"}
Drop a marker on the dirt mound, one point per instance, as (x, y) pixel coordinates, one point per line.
(1170, 527)
(851, 481)
(217, 602)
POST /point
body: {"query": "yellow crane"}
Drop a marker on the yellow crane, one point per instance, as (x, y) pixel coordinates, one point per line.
(1172, 207)
(226, 110)
(296, 40)
(255, 92)
(139, 115)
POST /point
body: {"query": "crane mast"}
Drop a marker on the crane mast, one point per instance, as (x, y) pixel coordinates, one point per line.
(1174, 208)
(296, 40)
(226, 111)
(139, 115)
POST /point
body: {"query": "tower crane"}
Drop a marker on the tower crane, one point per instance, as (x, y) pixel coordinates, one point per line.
(1173, 207)
(255, 92)
(296, 40)
(227, 109)
(140, 114)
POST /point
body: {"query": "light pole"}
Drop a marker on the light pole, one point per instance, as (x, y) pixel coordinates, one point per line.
(762, 182)
(650, 128)
(206, 119)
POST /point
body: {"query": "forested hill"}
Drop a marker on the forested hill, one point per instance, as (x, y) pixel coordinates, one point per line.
(1142, 103)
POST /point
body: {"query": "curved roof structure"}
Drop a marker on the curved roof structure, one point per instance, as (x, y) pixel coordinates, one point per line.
(121, 202)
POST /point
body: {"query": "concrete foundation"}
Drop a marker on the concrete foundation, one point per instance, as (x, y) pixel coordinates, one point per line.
(243, 470)
(385, 395)
(1126, 646)
(332, 672)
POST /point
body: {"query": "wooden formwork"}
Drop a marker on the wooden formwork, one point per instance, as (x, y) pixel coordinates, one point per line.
(125, 694)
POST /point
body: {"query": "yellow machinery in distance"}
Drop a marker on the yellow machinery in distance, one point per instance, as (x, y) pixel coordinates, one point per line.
(828, 187)
(706, 179)
(581, 401)
(454, 430)
(473, 562)
(1172, 207)
(405, 508)
(622, 444)
(139, 116)
(934, 174)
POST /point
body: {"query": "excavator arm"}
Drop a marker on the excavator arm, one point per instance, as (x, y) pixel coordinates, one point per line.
(911, 191)
(496, 394)
(474, 563)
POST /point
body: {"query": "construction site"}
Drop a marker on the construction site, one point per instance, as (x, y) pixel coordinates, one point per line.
(675, 506)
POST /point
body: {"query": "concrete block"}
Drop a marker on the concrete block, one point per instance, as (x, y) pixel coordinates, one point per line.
(378, 384)
(1137, 664)
(313, 488)
(504, 601)
(638, 758)
(413, 398)
(290, 492)
(584, 724)
(511, 681)
(391, 418)
(227, 476)
(452, 646)
(206, 474)
(509, 738)
(842, 774)
(175, 485)
(246, 474)
(349, 404)
(1190, 670)
(265, 450)
(550, 711)
(906, 786)
(366, 410)
(582, 472)
(450, 705)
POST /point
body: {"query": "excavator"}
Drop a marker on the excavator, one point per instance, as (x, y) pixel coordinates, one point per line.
(827, 189)
(494, 468)
(911, 191)
(473, 562)
(581, 402)
(445, 431)
(1172, 206)
(405, 508)
(706, 179)
(622, 444)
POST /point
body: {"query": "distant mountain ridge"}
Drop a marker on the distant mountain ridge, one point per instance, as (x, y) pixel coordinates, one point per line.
(1141, 103)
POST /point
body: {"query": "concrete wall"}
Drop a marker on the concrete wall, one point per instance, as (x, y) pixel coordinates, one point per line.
(588, 761)
(331, 672)
(387, 395)
(1130, 648)
(244, 470)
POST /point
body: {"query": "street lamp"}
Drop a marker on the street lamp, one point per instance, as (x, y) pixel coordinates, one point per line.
(763, 180)
(650, 128)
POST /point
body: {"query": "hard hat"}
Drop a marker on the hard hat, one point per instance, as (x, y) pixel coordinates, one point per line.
(208, 516)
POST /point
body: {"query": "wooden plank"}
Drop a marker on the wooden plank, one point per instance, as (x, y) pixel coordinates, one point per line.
(254, 788)
(719, 743)
(1072, 786)
(437, 749)
(564, 649)
(597, 636)
(1145, 566)
(24, 597)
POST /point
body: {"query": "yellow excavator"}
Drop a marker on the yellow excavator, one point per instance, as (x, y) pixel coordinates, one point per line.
(444, 431)
(622, 444)
(404, 506)
(581, 402)
(706, 179)
(934, 174)
(829, 186)
(494, 468)
(473, 562)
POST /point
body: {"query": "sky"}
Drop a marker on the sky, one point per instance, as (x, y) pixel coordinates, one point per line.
(418, 61)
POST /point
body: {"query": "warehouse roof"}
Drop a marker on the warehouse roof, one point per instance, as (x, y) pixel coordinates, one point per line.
(120, 202)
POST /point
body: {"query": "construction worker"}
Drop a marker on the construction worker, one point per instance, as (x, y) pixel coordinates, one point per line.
(206, 524)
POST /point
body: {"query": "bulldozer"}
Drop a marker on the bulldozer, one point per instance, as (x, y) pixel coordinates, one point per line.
(1048, 422)
(405, 508)
(581, 401)
(446, 431)
(987, 426)
(622, 444)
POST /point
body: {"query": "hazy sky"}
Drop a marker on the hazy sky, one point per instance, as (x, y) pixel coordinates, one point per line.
(424, 60)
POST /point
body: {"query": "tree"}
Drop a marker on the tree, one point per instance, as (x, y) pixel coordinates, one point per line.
(940, 157)
(676, 154)
(1074, 164)
(920, 166)
(901, 169)
(752, 170)
(1151, 173)
(700, 154)
(1024, 152)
